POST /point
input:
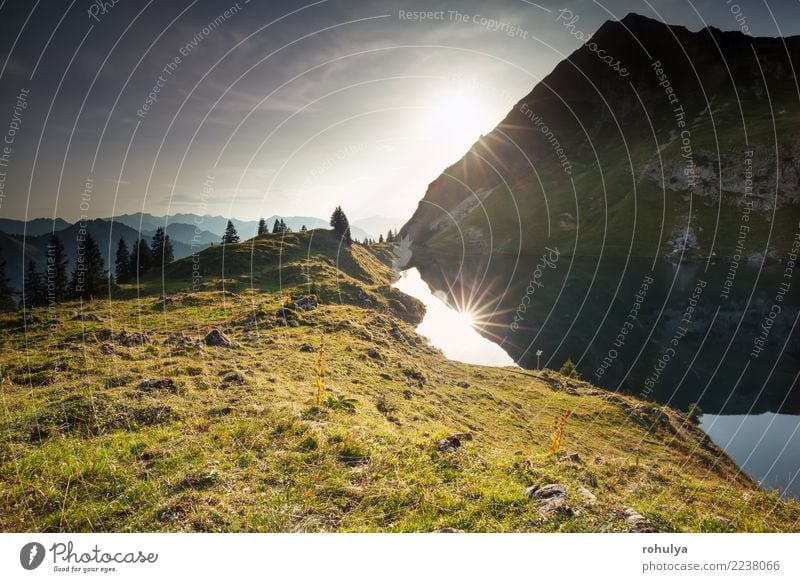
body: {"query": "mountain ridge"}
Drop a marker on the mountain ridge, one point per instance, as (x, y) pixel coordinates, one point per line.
(586, 113)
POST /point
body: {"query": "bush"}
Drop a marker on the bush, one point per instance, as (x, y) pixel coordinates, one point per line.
(693, 411)
(568, 369)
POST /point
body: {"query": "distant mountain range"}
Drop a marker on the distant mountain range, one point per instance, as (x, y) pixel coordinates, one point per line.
(361, 229)
(188, 232)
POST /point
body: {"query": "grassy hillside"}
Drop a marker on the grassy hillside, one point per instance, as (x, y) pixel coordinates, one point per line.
(161, 432)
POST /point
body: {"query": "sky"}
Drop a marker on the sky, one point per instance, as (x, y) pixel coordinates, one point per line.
(255, 108)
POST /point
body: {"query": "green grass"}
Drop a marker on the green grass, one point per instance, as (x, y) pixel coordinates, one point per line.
(234, 441)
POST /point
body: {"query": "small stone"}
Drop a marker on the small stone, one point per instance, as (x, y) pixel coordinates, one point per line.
(217, 338)
(638, 522)
(724, 522)
(306, 348)
(233, 378)
(570, 458)
(587, 495)
(531, 490)
(106, 348)
(551, 491)
(86, 317)
(463, 384)
(157, 384)
(449, 530)
(374, 354)
(135, 339)
(453, 441)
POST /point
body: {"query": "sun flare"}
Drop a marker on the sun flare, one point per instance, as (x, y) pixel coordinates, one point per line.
(458, 117)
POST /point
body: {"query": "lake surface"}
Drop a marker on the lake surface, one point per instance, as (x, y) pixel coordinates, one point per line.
(450, 330)
(674, 334)
(766, 447)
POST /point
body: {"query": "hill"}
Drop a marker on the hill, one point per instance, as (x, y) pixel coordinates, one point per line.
(657, 149)
(198, 411)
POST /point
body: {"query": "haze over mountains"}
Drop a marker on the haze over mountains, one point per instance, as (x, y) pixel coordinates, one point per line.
(189, 233)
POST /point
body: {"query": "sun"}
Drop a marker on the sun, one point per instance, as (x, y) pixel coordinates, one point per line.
(456, 117)
(465, 319)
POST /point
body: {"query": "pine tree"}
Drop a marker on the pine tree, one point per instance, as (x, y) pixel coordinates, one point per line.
(390, 236)
(90, 277)
(262, 227)
(380, 239)
(161, 250)
(7, 302)
(277, 227)
(285, 228)
(303, 228)
(34, 287)
(230, 236)
(141, 259)
(340, 224)
(122, 265)
(57, 281)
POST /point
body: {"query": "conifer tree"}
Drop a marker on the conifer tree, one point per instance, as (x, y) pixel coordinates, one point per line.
(122, 264)
(161, 250)
(140, 260)
(340, 224)
(90, 277)
(230, 236)
(262, 227)
(34, 287)
(7, 302)
(56, 279)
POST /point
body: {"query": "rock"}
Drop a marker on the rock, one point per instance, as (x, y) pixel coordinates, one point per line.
(232, 377)
(306, 348)
(286, 313)
(416, 376)
(463, 384)
(638, 522)
(106, 348)
(587, 495)
(157, 384)
(569, 458)
(374, 354)
(181, 341)
(385, 376)
(305, 302)
(85, 317)
(293, 323)
(453, 441)
(551, 498)
(551, 491)
(723, 522)
(136, 339)
(449, 530)
(217, 338)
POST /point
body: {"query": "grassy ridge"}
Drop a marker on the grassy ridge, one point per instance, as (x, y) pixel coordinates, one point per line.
(229, 438)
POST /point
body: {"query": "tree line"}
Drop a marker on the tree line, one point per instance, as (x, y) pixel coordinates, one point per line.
(89, 277)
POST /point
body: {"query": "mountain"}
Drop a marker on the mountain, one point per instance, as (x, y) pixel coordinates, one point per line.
(649, 140)
(375, 226)
(34, 227)
(215, 225)
(250, 406)
(637, 209)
